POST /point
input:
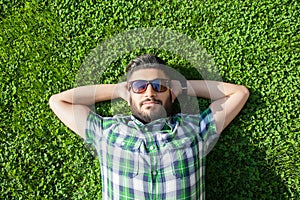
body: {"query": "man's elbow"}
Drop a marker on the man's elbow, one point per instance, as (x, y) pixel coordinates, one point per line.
(53, 100)
(245, 91)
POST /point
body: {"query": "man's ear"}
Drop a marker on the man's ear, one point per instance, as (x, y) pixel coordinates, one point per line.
(128, 100)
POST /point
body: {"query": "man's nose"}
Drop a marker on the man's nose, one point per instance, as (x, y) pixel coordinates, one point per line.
(149, 91)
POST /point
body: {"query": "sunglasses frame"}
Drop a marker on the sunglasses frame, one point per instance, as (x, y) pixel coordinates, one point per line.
(166, 84)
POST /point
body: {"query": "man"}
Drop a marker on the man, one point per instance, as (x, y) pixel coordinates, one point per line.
(152, 154)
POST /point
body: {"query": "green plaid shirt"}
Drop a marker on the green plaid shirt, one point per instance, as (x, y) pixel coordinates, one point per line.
(160, 160)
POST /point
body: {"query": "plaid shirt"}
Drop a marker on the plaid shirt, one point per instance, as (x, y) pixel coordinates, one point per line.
(163, 159)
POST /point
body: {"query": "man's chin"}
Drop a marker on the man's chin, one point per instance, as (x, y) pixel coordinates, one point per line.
(148, 113)
(157, 113)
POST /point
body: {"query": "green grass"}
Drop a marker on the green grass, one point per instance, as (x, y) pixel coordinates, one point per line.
(254, 43)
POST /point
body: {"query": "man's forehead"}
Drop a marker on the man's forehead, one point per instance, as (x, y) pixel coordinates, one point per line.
(147, 74)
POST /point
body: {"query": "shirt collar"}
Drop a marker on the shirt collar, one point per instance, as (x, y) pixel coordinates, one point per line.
(156, 125)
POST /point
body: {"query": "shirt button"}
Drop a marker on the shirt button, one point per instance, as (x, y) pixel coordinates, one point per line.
(154, 173)
(151, 148)
(146, 129)
(123, 143)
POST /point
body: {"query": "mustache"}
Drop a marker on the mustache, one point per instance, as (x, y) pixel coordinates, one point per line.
(152, 99)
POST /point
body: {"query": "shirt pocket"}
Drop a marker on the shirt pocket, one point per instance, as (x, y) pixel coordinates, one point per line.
(185, 159)
(121, 160)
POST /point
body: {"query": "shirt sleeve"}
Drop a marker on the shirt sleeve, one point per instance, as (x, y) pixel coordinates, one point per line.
(93, 132)
(208, 130)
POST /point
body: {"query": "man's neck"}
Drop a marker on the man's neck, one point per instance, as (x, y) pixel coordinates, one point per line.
(140, 120)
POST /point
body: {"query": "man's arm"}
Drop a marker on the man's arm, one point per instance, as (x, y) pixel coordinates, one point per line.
(227, 99)
(72, 106)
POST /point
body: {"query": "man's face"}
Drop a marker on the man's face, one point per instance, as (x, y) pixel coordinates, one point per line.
(150, 105)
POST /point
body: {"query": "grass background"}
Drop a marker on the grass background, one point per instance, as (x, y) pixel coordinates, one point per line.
(254, 43)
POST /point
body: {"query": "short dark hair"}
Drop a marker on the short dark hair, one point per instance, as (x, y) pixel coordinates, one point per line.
(145, 62)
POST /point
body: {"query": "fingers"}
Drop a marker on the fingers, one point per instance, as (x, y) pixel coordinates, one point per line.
(123, 92)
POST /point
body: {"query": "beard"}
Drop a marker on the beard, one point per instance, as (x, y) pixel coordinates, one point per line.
(154, 112)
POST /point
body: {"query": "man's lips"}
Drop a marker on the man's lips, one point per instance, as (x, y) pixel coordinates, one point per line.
(150, 102)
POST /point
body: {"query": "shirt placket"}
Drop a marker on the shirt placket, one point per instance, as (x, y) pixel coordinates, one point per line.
(154, 160)
(154, 174)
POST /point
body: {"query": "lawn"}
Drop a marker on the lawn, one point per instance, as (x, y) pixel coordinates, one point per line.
(43, 45)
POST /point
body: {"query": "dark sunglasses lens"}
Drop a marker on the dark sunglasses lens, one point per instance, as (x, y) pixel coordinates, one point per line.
(139, 86)
(159, 85)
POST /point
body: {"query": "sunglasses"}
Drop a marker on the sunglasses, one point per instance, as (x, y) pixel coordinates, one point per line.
(140, 86)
